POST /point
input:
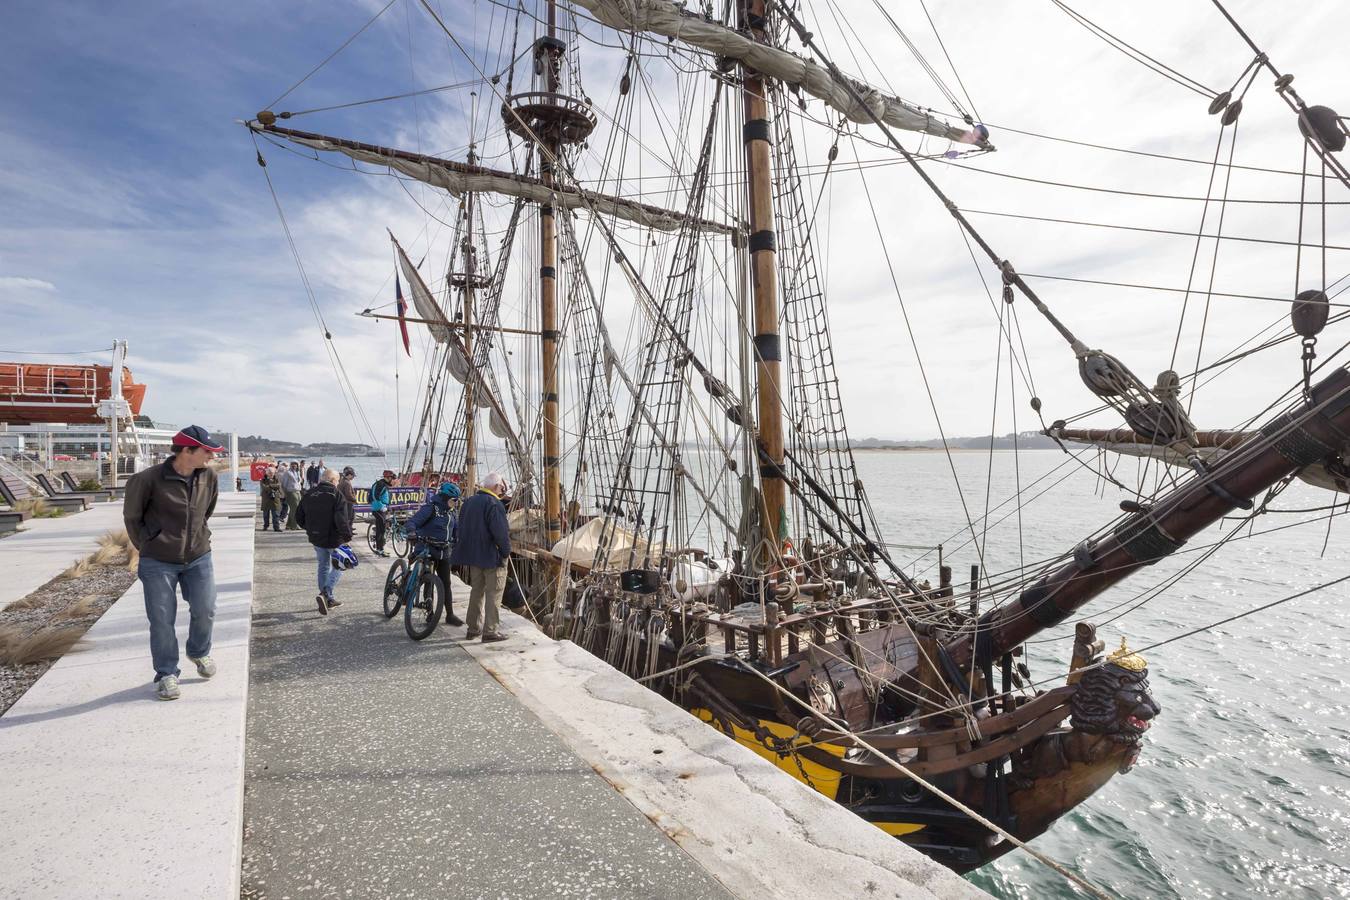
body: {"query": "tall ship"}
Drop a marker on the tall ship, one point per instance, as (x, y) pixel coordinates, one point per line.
(626, 293)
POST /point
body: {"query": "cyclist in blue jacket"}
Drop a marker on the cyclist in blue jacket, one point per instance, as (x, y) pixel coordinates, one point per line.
(436, 520)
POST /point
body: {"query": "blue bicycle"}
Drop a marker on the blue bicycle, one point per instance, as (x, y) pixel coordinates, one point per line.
(413, 586)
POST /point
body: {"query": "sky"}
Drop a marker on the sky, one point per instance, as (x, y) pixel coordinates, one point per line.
(132, 204)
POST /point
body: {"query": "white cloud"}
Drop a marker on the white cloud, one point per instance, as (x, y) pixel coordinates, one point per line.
(21, 283)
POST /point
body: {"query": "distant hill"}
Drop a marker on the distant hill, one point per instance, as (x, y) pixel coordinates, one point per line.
(252, 444)
(1026, 440)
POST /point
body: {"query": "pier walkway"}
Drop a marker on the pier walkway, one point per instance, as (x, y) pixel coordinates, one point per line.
(107, 791)
(381, 767)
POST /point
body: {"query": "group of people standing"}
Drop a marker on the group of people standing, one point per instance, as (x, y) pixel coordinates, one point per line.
(324, 509)
(166, 512)
(284, 485)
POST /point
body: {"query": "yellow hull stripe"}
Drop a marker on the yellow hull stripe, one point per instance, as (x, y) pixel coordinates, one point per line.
(810, 773)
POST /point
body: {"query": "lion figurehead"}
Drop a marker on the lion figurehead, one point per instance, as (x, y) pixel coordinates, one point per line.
(1113, 700)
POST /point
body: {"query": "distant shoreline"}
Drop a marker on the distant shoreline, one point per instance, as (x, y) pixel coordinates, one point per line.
(940, 449)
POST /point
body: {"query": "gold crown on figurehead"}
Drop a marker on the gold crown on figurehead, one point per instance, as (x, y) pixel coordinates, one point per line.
(1127, 659)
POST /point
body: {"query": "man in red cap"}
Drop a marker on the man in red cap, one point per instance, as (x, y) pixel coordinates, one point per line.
(165, 511)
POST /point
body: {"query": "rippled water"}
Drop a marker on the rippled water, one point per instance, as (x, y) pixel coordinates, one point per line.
(1243, 788)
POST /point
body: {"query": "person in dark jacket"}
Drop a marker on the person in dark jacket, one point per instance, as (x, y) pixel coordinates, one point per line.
(327, 520)
(165, 512)
(348, 492)
(272, 495)
(312, 475)
(435, 520)
(483, 543)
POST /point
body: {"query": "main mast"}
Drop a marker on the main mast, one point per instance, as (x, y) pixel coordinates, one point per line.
(470, 395)
(764, 284)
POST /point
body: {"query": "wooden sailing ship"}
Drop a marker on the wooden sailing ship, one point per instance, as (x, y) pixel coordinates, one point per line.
(701, 524)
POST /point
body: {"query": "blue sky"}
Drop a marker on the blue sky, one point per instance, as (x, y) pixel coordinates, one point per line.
(131, 205)
(134, 208)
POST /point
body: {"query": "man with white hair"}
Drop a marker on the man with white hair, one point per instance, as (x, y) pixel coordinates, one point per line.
(482, 545)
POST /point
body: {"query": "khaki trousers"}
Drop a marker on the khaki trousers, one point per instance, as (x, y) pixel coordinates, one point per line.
(485, 596)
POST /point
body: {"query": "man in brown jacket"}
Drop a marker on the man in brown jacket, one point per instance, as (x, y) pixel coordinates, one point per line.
(165, 511)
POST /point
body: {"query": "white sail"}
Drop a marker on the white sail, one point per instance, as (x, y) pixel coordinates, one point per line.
(425, 304)
(671, 20)
(458, 179)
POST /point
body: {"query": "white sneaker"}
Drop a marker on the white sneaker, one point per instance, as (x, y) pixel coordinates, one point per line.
(206, 666)
(167, 688)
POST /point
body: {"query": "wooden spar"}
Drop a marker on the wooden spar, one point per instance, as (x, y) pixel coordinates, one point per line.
(764, 286)
(1286, 444)
(453, 326)
(1220, 439)
(436, 171)
(470, 407)
(548, 310)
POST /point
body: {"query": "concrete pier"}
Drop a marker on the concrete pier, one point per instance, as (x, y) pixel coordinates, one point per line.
(109, 792)
(382, 767)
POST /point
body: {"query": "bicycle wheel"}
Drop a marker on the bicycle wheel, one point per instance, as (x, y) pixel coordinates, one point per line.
(393, 587)
(370, 537)
(421, 615)
(398, 539)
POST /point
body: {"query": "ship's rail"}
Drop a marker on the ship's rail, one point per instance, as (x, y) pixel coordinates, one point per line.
(52, 386)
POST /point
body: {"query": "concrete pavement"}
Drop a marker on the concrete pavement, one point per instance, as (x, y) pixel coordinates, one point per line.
(109, 792)
(46, 547)
(380, 767)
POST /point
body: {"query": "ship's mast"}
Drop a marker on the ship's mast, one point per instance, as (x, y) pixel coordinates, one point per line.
(764, 285)
(551, 51)
(470, 399)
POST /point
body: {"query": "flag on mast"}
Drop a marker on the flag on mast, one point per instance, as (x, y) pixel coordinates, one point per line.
(402, 312)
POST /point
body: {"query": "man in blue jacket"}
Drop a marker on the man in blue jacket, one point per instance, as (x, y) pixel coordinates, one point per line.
(435, 521)
(482, 544)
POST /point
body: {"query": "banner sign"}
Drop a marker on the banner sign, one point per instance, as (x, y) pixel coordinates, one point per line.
(402, 499)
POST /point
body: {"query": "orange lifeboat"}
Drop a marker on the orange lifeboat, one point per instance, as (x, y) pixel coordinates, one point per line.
(34, 392)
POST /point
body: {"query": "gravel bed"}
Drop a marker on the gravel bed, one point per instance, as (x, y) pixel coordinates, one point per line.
(50, 605)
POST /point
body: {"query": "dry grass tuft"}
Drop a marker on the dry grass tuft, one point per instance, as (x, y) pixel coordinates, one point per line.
(83, 608)
(32, 601)
(114, 548)
(38, 508)
(44, 644)
(78, 569)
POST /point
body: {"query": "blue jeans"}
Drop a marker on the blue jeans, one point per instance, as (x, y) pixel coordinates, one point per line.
(328, 574)
(272, 518)
(161, 581)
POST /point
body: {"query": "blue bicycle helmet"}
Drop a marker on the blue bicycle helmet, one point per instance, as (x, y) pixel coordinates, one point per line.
(449, 489)
(344, 558)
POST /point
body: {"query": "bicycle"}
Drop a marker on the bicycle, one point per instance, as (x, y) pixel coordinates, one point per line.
(395, 535)
(413, 586)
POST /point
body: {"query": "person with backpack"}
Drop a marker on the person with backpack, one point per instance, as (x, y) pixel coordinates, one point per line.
(327, 520)
(272, 495)
(483, 544)
(379, 507)
(436, 521)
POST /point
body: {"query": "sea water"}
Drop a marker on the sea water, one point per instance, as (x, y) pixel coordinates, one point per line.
(1243, 786)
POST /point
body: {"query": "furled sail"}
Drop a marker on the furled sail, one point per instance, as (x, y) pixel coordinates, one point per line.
(426, 305)
(673, 21)
(1211, 446)
(460, 178)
